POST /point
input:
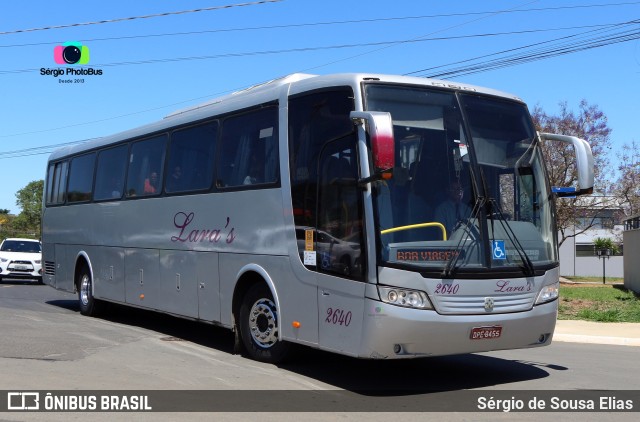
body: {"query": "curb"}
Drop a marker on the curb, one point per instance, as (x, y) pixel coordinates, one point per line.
(579, 331)
(582, 338)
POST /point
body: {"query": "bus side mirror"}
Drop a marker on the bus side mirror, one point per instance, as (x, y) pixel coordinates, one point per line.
(380, 128)
(584, 161)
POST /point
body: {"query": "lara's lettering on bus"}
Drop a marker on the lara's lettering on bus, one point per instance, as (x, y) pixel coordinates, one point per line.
(183, 220)
(503, 286)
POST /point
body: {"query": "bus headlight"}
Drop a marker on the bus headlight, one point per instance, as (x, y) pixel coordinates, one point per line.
(404, 297)
(548, 293)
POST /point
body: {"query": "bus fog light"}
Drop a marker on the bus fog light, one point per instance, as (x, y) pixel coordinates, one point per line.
(548, 293)
(543, 338)
(404, 297)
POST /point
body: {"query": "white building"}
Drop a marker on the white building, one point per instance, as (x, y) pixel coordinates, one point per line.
(577, 253)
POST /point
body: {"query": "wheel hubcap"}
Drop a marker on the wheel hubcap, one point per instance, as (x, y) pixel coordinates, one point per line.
(263, 323)
(85, 285)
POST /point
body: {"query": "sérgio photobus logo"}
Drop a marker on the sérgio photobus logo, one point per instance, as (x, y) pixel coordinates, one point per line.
(71, 54)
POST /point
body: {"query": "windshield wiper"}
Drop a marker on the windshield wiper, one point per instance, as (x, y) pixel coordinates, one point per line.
(528, 269)
(492, 204)
(450, 268)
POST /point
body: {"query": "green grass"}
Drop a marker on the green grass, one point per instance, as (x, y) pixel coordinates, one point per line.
(580, 279)
(599, 303)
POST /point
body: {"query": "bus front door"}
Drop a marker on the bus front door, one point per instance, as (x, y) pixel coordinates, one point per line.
(339, 241)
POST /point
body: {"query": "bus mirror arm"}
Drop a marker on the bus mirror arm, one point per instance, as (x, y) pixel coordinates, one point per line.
(379, 126)
(584, 161)
(380, 175)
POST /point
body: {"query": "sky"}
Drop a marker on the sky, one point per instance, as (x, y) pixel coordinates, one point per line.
(153, 63)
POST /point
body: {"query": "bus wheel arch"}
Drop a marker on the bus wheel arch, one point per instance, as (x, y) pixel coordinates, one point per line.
(257, 320)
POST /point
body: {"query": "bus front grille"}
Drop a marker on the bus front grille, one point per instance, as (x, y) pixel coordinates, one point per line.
(466, 305)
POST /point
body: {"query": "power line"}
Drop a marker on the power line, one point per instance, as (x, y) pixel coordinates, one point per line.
(331, 47)
(326, 64)
(533, 52)
(217, 56)
(400, 42)
(578, 42)
(130, 18)
(488, 66)
(27, 152)
(107, 118)
(309, 24)
(419, 37)
(499, 64)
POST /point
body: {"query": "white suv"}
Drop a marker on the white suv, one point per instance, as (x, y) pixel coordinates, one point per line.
(21, 258)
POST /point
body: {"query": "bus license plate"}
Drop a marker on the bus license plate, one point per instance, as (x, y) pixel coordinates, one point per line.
(481, 333)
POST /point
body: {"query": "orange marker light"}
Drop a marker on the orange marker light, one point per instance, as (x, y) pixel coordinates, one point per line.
(296, 324)
(141, 297)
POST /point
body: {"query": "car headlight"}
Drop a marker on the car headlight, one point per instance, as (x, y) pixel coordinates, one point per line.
(37, 261)
(3, 259)
(404, 297)
(548, 293)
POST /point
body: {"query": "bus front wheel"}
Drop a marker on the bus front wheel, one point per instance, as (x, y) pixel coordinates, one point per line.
(89, 305)
(260, 326)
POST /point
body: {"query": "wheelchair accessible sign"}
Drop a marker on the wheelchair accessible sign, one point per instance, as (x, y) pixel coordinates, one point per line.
(499, 252)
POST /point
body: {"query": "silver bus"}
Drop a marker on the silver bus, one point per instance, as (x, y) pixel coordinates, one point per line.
(370, 215)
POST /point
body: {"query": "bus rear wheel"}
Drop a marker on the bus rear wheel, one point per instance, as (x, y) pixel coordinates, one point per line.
(260, 326)
(89, 305)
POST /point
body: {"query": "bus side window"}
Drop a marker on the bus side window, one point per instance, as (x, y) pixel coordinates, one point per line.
(110, 173)
(81, 178)
(146, 162)
(56, 183)
(190, 166)
(249, 150)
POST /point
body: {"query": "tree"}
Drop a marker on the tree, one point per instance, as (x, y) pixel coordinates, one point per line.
(575, 216)
(4, 216)
(627, 186)
(29, 199)
(605, 243)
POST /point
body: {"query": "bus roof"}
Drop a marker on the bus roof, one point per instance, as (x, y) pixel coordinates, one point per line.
(260, 94)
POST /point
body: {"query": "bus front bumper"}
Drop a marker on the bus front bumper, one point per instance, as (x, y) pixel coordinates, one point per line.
(392, 332)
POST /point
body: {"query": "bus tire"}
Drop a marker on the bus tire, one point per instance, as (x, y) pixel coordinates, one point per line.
(89, 305)
(260, 326)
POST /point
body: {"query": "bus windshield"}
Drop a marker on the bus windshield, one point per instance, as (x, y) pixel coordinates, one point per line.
(468, 193)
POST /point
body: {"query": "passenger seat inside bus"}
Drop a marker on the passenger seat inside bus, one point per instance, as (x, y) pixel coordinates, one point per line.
(426, 187)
